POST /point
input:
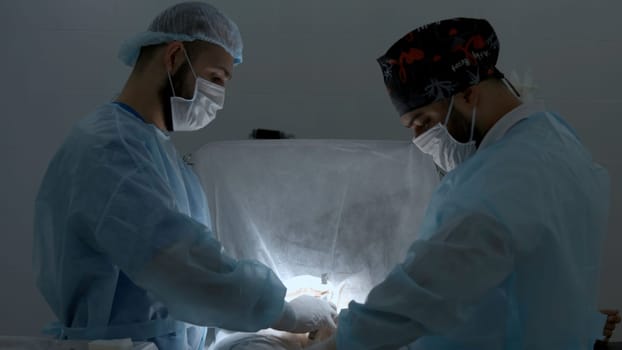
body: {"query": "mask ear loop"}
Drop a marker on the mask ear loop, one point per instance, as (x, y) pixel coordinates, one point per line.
(451, 106)
(473, 122)
(189, 63)
(168, 73)
(170, 81)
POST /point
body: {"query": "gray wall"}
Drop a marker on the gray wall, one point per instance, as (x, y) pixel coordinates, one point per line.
(310, 70)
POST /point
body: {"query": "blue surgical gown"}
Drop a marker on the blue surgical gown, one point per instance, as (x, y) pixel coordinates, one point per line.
(123, 248)
(507, 257)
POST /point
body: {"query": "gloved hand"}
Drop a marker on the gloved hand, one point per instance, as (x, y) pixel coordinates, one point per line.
(307, 314)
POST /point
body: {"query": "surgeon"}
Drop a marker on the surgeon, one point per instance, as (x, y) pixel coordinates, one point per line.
(508, 254)
(122, 239)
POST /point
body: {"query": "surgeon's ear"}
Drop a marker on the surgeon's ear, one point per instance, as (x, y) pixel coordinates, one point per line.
(470, 96)
(173, 56)
(465, 101)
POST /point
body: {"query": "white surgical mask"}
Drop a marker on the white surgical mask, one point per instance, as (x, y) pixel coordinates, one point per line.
(444, 149)
(200, 110)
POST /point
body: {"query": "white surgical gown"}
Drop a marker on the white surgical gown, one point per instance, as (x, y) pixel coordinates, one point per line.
(123, 248)
(508, 254)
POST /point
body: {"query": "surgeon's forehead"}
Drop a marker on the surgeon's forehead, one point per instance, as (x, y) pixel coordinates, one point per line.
(429, 110)
(214, 56)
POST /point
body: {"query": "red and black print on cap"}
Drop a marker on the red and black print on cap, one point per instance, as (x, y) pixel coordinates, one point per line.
(438, 60)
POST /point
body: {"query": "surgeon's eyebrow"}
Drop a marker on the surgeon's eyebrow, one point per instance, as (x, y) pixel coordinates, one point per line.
(211, 69)
(228, 74)
(412, 119)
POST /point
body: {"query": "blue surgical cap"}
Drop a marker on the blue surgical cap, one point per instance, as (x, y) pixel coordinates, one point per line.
(187, 21)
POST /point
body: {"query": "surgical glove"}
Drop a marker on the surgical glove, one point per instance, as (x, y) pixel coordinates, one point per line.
(307, 314)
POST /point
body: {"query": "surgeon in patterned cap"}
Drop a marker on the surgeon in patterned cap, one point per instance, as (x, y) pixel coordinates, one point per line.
(427, 67)
(509, 251)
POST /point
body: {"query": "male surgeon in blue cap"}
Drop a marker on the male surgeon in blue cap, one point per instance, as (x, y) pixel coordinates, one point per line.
(122, 239)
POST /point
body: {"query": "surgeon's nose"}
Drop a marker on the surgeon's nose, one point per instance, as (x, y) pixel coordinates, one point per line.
(420, 127)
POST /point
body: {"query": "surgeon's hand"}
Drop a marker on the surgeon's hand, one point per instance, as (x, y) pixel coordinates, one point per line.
(613, 318)
(328, 344)
(307, 314)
